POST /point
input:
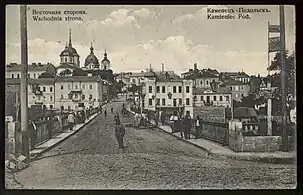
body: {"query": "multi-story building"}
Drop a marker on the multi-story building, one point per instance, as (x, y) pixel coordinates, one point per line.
(167, 92)
(203, 79)
(238, 89)
(238, 76)
(74, 92)
(212, 97)
(13, 70)
(42, 92)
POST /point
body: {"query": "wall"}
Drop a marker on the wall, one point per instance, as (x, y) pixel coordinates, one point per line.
(203, 97)
(47, 98)
(239, 90)
(32, 74)
(205, 82)
(210, 113)
(240, 143)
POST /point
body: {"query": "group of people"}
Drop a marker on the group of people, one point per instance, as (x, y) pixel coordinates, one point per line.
(184, 125)
(141, 120)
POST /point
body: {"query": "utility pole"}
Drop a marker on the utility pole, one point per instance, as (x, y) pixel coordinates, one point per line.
(283, 80)
(24, 80)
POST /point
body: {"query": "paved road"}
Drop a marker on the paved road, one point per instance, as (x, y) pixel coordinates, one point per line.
(90, 159)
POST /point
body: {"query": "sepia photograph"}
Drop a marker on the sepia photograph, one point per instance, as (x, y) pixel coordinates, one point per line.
(150, 97)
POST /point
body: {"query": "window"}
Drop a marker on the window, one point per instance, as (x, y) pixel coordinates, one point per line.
(13, 76)
(158, 102)
(90, 97)
(180, 89)
(187, 101)
(174, 102)
(65, 59)
(90, 87)
(163, 101)
(61, 96)
(237, 95)
(83, 97)
(62, 107)
(68, 107)
(39, 89)
(158, 89)
(51, 98)
(33, 97)
(215, 98)
(68, 86)
(61, 86)
(76, 95)
(51, 106)
(44, 97)
(163, 89)
(51, 89)
(44, 89)
(180, 101)
(83, 86)
(242, 95)
(34, 75)
(150, 89)
(201, 98)
(76, 86)
(44, 106)
(221, 98)
(231, 88)
(242, 87)
(187, 89)
(150, 101)
(207, 82)
(133, 80)
(201, 82)
(174, 89)
(28, 75)
(227, 98)
(39, 98)
(18, 76)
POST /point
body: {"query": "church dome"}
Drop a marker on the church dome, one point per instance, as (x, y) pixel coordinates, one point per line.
(91, 58)
(105, 58)
(69, 50)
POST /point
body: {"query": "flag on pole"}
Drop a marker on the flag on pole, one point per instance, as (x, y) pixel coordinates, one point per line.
(274, 28)
(273, 44)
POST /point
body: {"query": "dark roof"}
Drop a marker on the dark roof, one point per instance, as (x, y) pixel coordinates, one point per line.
(150, 74)
(91, 58)
(66, 65)
(244, 112)
(69, 51)
(167, 77)
(220, 90)
(31, 67)
(236, 74)
(46, 81)
(200, 74)
(78, 78)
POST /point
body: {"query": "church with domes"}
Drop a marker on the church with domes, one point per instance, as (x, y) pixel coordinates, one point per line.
(70, 61)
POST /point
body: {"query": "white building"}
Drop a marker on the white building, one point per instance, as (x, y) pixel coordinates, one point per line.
(210, 97)
(13, 70)
(42, 92)
(167, 92)
(78, 91)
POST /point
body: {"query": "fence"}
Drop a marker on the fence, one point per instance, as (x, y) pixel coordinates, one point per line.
(43, 131)
(214, 131)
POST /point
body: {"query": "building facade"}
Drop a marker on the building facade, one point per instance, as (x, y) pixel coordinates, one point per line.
(238, 76)
(238, 89)
(71, 93)
(42, 92)
(210, 97)
(13, 70)
(167, 92)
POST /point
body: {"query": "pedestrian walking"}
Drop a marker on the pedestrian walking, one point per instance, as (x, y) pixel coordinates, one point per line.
(181, 126)
(112, 110)
(105, 113)
(119, 133)
(71, 120)
(117, 119)
(198, 127)
(32, 133)
(157, 118)
(174, 119)
(187, 125)
(162, 118)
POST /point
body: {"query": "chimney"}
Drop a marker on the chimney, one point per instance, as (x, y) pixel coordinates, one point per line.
(34, 64)
(190, 70)
(162, 67)
(195, 66)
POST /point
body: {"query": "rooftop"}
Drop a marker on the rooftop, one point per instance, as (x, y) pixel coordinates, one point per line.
(233, 82)
(79, 79)
(236, 74)
(168, 77)
(31, 67)
(200, 74)
(202, 90)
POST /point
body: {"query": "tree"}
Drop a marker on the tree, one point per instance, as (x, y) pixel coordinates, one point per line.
(133, 88)
(290, 72)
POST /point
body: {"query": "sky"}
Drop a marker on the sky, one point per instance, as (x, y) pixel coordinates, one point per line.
(137, 36)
